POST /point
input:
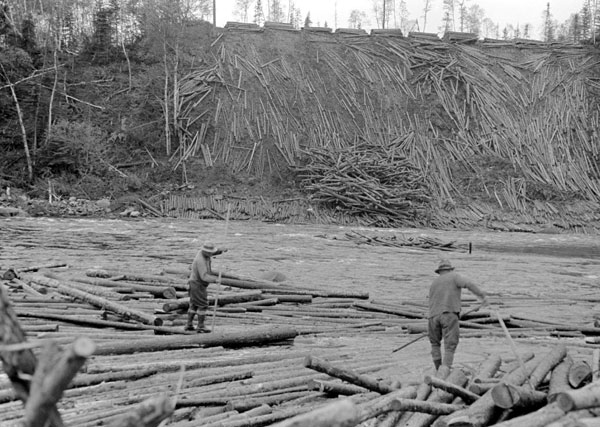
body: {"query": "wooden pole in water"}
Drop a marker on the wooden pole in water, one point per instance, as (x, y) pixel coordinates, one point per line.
(214, 315)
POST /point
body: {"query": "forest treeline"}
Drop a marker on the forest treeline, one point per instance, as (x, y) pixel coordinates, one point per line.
(457, 15)
(70, 71)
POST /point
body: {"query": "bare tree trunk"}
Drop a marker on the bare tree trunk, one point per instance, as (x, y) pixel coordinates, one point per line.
(128, 63)
(166, 103)
(51, 103)
(21, 124)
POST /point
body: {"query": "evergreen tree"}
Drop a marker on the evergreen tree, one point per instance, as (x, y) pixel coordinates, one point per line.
(259, 16)
(448, 19)
(307, 21)
(575, 28)
(462, 14)
(241, 9)
(586, 21)
(548, 28)
(277, 14)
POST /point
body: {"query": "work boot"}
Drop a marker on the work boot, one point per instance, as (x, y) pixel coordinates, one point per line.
(190, 322)
(201, 329)
(437, 363)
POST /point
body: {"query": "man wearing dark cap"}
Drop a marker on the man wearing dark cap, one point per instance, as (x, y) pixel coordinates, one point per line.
(444, 310)
(200, 277)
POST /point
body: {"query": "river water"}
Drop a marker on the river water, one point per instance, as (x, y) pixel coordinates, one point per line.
(312, 255)
(547, 277)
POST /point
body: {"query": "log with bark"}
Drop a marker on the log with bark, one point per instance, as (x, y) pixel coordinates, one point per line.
(103, 303)
(52, 376)
(233, 339)
(484, 410)
(367, 382)
(150, 413)
(580, 373)
(583, 398)
(20, 365)
(509, 396)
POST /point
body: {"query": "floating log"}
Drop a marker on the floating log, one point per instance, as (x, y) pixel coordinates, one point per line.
(167, 292)
(484, 409)
(457, 377)
(367, 382)
(402, 313)
(41, 266)
(466, 395)
(434, 408)
(486, 371)
(87, 321)
(583, 398)
(335, 388)
(559, 379)
(298, 299)
(320, 293)
(342, 413)
(248, 337)
(546, 365)
(150, 413)
(103, 303)
(48, 385)
(582, 418)
(17, 364)
(106, 274)
(384, 404)
(508, 396)
(540, 418)
(184, 303)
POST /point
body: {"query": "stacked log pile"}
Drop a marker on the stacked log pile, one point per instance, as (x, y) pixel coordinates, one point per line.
(451, 105)
(422, 242)
(367, 180)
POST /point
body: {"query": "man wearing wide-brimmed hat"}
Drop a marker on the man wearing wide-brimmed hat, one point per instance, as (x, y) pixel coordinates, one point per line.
(444, 310)
(200, 277)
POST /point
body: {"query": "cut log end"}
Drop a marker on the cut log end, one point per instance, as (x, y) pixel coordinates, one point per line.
(579, 374)
(505, 396)
(564, 401)
(84, 347)
(157, 321)
(169, 293)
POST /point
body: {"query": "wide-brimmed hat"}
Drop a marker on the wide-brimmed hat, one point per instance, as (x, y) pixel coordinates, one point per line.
(444, 265)
(208, 249)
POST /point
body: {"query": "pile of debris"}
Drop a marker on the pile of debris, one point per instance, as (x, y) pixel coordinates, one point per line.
(422, 242)
(368, 180)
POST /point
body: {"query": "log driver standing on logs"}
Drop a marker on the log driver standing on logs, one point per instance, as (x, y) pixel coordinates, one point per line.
(200, 277)
(444, 311)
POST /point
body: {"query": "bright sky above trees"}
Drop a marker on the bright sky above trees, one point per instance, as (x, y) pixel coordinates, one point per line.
(501, 12)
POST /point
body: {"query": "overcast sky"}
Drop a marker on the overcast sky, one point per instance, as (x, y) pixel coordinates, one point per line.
(502, 12)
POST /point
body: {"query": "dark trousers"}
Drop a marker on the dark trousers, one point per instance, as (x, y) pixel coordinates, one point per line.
(198, 298)
(443, 327)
